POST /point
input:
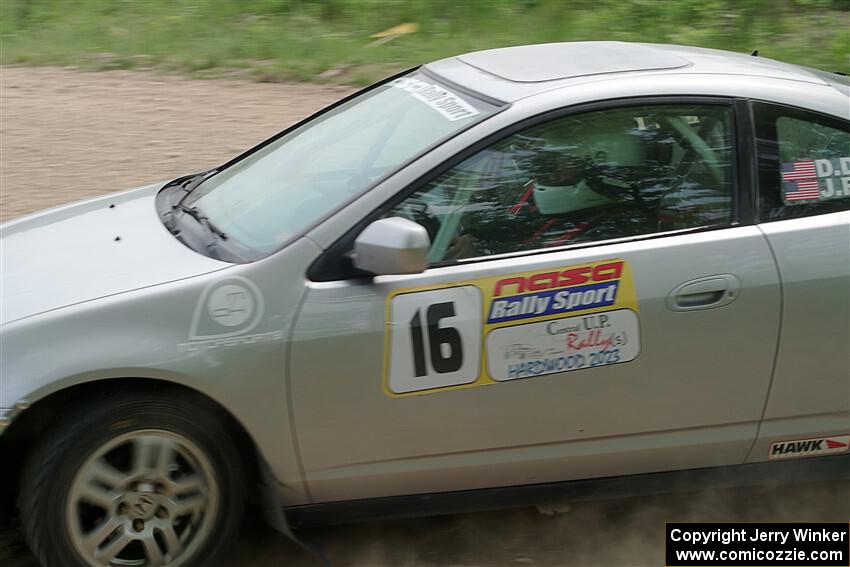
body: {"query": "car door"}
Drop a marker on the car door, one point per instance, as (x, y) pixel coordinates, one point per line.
(804, 184)
(596, 305)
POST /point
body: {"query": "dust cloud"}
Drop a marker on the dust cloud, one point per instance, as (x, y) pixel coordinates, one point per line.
(622, 532)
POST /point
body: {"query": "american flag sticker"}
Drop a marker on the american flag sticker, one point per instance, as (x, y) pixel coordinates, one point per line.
(800, 181)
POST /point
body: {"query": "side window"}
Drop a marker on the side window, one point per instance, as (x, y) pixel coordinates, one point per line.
(595, 176)
(804, 162)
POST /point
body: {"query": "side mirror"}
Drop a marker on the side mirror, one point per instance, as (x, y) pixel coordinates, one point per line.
(392, 246)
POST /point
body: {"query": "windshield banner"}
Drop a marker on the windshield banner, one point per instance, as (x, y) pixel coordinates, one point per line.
(448, 104)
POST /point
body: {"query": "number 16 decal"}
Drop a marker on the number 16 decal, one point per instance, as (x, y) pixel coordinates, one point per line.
(435, 339)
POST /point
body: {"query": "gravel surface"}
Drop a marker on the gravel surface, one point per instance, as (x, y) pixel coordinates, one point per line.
(619, 533)
(67, 135)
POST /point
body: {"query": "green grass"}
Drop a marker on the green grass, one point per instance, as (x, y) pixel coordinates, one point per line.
(301, 39)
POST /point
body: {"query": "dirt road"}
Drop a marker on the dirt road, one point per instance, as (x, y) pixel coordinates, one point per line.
(616, 533)
(66, 135)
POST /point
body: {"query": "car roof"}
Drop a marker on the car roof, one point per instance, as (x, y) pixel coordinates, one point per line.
(510, 73)
(552, 61)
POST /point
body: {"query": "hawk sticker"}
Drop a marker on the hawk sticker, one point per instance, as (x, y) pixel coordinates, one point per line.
(809, 447)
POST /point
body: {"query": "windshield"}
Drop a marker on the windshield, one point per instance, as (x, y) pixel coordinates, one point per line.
(282, 189)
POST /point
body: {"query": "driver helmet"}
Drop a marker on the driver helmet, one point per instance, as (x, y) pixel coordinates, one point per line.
(561, 199)
(564, 166)
(559, 185)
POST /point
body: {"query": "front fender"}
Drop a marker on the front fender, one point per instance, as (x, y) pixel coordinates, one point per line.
(164, 332)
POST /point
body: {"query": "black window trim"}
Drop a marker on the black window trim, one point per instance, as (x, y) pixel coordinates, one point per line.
(334, 264)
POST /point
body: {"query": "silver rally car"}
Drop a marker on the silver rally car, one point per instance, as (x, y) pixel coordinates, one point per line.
(573, 269)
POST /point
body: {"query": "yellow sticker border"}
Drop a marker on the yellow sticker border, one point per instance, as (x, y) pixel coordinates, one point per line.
(626, 299)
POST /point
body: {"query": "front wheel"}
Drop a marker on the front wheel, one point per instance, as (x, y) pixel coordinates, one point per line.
(136, 480)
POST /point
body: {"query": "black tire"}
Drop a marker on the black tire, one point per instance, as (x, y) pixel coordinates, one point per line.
(54, 461)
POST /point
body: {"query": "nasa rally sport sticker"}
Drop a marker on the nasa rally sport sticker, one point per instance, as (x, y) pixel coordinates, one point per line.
(809, 447)
(812, 180)
(485, 331)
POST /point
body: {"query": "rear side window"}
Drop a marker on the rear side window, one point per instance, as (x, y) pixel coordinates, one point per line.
(804, 162)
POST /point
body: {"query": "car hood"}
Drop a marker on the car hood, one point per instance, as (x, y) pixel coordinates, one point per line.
(90, 250)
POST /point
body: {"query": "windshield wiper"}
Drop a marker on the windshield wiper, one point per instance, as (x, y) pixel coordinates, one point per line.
(191, 184)
(199, 216)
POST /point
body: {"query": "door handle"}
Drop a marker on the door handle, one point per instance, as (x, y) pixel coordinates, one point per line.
(704, 293)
